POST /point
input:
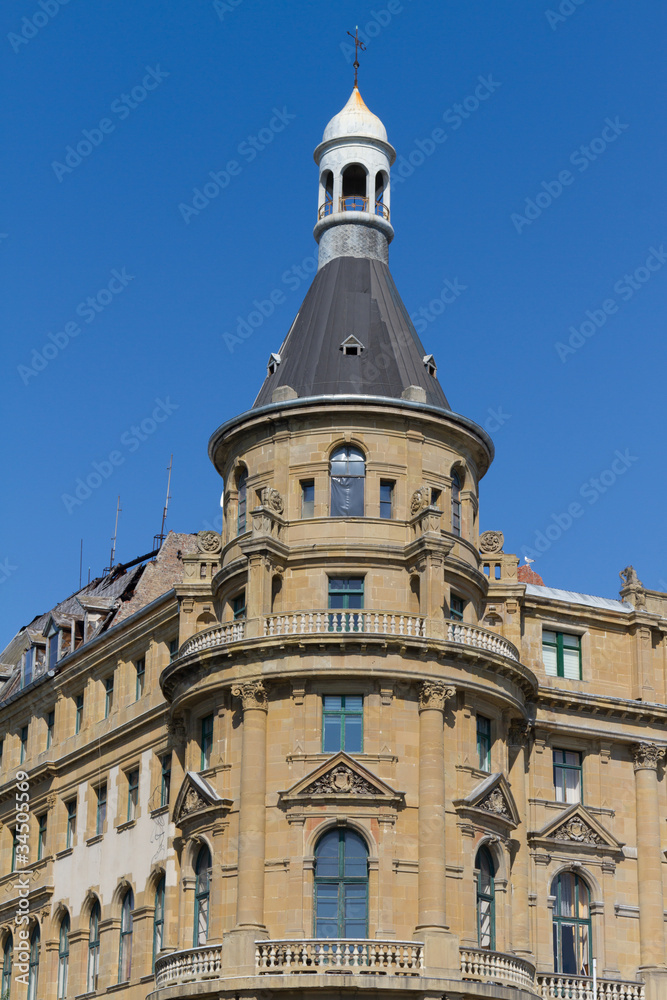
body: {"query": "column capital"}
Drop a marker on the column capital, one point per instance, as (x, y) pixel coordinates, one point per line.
(647, 756)
(519, 732)
(252, 695)
(434, 695)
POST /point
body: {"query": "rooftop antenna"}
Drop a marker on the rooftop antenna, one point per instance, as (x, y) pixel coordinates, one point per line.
(158, 539)
(358, 44)
(113, 540)
(80, 563)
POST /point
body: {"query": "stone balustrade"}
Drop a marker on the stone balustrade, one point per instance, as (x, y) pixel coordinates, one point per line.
(479, 638)
(194, 965)
(396, 958)
(552, 986)
(496, 967)
(368, 622)
(217, 635)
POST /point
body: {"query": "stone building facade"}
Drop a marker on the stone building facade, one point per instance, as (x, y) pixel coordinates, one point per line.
(348, 744)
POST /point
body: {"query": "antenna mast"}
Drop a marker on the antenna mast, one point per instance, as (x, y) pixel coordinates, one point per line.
(158, 539)
(113, 540)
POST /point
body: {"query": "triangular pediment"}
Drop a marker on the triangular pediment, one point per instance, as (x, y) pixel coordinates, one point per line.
(342, 777)
(576, 826)
(195, 796)
(492, 799)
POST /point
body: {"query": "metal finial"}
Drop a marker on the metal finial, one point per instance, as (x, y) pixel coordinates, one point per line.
(358, 44)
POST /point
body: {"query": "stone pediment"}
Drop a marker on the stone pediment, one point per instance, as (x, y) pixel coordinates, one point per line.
(196, 796)
(576, 827)
(491, 799)
(341, 777)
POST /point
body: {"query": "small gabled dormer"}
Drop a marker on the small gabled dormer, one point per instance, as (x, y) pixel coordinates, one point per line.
(430, 365)
(352, 346)
(273, 362)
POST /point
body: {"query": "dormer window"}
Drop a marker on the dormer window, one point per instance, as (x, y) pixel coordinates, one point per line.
(352, 346)
(430, 365)
(53, 647)
(274, 361)
(27, 666)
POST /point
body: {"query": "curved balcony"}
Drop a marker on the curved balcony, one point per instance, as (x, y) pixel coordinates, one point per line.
(479, 638)
(347, 622)
(496, 967)
(353, 203)
(192, 965)
(211, 638)
(394, 958)
(581, 988)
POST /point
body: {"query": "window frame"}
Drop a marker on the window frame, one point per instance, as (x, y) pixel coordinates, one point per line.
(202, 894)
(342, 714)
(341, 880)
(125, 943)
(563, 767)
(349, 455)
(140, 686)
(78, 712)
(158, 919)
(33, 963)
(559, 920)
(456, 486)
(63, 956)
(238, 604)
(560, 647)
(101, 808)
(24, 734)
(132, 794)
(42, 820)
(484, 741)
(483, 896)
(108, 695)
(206, 741)
(7, 962)
(456, 614)
(71, 822)
(165, 779)
(93, 969)
(387, 505)
(242, 502)
(345, 617)
(50, 727)
(307, 506)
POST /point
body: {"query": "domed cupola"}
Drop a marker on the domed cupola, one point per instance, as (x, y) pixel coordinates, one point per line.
(354, 157)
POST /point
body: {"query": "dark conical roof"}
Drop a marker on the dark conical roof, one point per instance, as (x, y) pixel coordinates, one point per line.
(352, 297)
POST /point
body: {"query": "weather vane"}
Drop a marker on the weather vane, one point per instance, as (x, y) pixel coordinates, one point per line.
(358, 44)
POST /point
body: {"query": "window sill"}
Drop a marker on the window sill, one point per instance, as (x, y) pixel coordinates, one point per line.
(94, 840)
(64, 854)
(147, 979)
(160, 811)
(119, 986)
(127, 825)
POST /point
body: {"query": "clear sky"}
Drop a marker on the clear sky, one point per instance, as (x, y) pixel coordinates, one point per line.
(543, 206)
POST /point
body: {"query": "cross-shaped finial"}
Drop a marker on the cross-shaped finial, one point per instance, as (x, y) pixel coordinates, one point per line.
(358, 44)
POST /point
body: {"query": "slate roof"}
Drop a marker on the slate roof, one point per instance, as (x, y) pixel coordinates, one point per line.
(352, 296)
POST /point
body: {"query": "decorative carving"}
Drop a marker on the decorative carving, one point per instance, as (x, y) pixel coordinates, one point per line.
(519, 732)
(176, 729)
(341, 780)
(51, 799)
(209, 542)
(420, 499)
(434, 694)
(629, 577)
(272, 499)
(575, 829)
(193, 801)
(647, 755)
(491, 541)
(252, 695)
(495, 803)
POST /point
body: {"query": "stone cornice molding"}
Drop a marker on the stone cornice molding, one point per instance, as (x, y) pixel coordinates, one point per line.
(434, 695)
(252, 695)
(647, 756)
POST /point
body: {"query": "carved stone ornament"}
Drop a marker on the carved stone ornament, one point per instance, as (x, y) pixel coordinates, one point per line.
(176, 729)
(434, 694)
(342, 780)
(575, 829)
(209, 542)
(495, 803)
(647, 755)
(629, 577)
(193, 801)
(519, 732)
(252, 695)
(420, 499)
(491, 541)
(272, 499)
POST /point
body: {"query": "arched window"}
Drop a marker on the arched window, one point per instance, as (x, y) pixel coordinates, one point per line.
(242, 487)
(94, 947)
(341, 885)
(202, 894)
(158, 920)
(63, 957)
(572, 925)
(125, 952)
(380, 188)
(354, 197)
(347, 471)
(486, 912)
(327, 187)
(456, 504)
(33, 964)
(7, 955)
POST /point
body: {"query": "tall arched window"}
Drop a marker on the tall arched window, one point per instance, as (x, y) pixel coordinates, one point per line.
(94, 947)
(327, 192)
(341, 885)
(33, 964)
(158, 920)
(347, 470)
(7, 955)
(202, 894)
(486, 912)
(456, 504)
(125, 952)
(572, 925)
(242, 487)
(63, 957)
(355, 197)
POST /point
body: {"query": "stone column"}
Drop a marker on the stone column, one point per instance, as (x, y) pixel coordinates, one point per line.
(647, 756)
(519, 734)
(441, 947)
(240, 943)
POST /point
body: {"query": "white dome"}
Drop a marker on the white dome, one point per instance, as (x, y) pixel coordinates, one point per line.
(355, 119)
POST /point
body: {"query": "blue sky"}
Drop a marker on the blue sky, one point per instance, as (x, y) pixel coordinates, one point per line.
(540, 200)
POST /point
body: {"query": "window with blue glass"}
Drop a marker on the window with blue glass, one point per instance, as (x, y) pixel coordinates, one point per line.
(345, 593)
(484, 742)
(27, 666)
(202, 894)
(238, 606)
(341, 885)
(308, 498)
(486, 915)
(456, 608)
(387, 498)
(342, 723)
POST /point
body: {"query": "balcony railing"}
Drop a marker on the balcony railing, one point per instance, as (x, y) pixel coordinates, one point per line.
(192, 965)
(389, 958)
(494, 966)
(352, 203)
(552, 986)
(470, 635)
(325, 622)
(218, 635)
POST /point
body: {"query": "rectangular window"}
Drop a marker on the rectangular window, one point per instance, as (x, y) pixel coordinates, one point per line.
(41, 836)
(101, 793)
(50, 726)
(108, 696)
(173, 649)
(345, 593)
(456, 608)
(435, 497)
(561, 654)
(53, 649)
(78, 719)
(238, 606)
(27, 666)
(132, 794)
(342, 723)
(567, 776)
(386, 498)
(206, 742)
(24, 743)
(140, 667)
(165, 779)
(71, 822)
(308, 498)
(484, 743)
